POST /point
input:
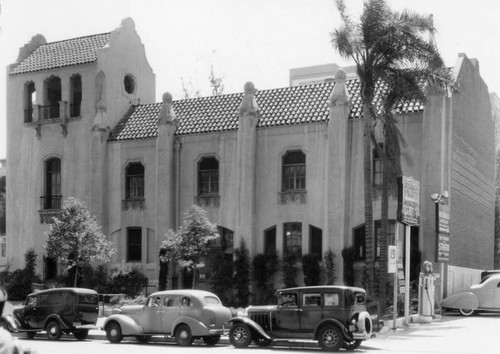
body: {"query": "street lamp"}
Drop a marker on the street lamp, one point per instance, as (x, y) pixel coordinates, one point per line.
(439, 198)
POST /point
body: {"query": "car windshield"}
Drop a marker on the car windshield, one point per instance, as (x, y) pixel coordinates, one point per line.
(87, 299)
(210, 300)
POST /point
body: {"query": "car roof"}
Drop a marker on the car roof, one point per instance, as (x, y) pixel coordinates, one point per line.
(73, 290)
(188, 292)
(323, 287)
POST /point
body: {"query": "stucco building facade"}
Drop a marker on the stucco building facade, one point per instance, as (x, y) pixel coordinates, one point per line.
(281, 169)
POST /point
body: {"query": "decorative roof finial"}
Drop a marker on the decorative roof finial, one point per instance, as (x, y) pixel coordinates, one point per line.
(249, 105)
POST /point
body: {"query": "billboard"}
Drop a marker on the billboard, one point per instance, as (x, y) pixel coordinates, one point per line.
(408, 200)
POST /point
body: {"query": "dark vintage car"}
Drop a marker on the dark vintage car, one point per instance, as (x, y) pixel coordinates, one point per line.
(482, 297)
(335, 316)
(185, 315)
(57, 311)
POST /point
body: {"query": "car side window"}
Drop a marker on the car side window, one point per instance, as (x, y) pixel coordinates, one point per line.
(172, 301)
(311, 300)
(154, 301)
(331, 299)
(288, 300)
(32, 301)
(186, 301)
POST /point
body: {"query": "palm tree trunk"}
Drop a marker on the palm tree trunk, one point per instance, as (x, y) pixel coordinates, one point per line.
(367, 167)
(384, 235)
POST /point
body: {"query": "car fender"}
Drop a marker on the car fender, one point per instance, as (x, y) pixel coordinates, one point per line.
(252, 324)
(128, 325)
(464, 300)
(335, 322)
(64, 324)
(10, 323)
(197, 327)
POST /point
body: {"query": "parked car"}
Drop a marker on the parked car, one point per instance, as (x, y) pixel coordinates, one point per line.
(335, 316)
(482, 297)
(185, 315)
(57, 311)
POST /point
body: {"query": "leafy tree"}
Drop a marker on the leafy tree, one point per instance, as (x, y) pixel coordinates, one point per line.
(311, 269)
(127, 280)
(216, 82)
(189, 245)
(241, 279)
(387, 47)
(76, 240)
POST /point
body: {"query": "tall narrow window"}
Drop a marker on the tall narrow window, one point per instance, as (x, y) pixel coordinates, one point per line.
(208, 176)
(359, 242)
(134, 244)
(29, 101)
(52, 198)
(76, 95)
(270, 241)
(377, 166)
(378, 234)
(135, 181)
(292, 239)
(294, 171)
(316, 241)
(52, 98)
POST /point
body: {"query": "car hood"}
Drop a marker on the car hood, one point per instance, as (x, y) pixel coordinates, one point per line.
(262, 308)
(128, 309)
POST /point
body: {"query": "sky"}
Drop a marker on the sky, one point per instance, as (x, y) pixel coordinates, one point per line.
(244, 40)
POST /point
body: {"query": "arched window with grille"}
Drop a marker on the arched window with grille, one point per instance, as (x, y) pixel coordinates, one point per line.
(294, 171)
(208, 176)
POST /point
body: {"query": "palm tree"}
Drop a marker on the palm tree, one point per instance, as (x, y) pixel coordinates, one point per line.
(388, 48)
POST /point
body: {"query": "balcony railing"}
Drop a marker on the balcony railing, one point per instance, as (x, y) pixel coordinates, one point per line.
(292, 197)
(207, 200)
(136, 203)
(74, 109)
(49, 111)
(50, 202)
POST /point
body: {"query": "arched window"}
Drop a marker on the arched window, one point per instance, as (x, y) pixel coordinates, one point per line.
(76, 95)
(294, 171)
(208, 176)
(50, 109)
(129, 83)
(134, 181)
(29, 101)
(292, 239)
(52, 197)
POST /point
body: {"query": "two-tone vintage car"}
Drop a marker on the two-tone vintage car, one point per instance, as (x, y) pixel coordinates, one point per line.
(482, 297)
(185, 315)
(335, 316)
(57, 311)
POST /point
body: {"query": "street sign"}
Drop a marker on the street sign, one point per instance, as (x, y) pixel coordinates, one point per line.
(392, 266)
(443, 233)
(408, 200)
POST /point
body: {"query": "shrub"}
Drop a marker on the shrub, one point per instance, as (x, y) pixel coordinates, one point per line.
(311, 269)
(349, 256)
(241, 278)
(127, 280)
(19, 283)
(290, 270)
(264, 267)
(221, 280)
(330, 267)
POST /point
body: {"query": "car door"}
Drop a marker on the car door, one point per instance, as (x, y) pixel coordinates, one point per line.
(312, 312)
(287, 316)
(152, 314)
(172, 306)
(31, 312)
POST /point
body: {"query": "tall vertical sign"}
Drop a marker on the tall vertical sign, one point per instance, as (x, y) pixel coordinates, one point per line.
(442, 232)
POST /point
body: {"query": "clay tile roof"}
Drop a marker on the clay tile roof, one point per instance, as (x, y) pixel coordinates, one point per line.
(69, 52)
(278, 107)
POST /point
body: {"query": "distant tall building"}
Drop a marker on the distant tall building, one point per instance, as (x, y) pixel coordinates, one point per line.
(281, 169)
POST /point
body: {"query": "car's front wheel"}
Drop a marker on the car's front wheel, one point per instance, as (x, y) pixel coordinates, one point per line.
(240, 335)
(54, 331)
(114, 332)
(211, 340)
(330, 338)
(183, 335)
(466, 312)
(81, 334)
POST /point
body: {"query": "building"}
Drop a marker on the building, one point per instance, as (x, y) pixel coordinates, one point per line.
(281, 168)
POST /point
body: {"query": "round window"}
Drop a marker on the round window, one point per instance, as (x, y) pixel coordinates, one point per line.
(129, 84)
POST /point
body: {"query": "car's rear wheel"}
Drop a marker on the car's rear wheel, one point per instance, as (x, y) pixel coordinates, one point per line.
(81, 334)
(114, 332)
(31, 334)
(54, 331)
(183, 335)
(211, 340)
(240, 335)
(466, 312)
(330, 338)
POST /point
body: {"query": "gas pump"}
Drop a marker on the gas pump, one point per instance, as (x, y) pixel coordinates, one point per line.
(426, 291)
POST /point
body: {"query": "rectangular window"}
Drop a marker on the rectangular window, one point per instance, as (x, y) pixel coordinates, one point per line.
(135, 181)
(292, 239)
(208, 176)
(331, 299)
(378, 234)
(270, 241)
(294, 171)
(313, 299)
(377, 167)
(359, 242)
(134, 244)
(316, 241)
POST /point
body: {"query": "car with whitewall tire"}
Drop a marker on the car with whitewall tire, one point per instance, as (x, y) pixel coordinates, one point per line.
(335, 316)
(184, 315)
